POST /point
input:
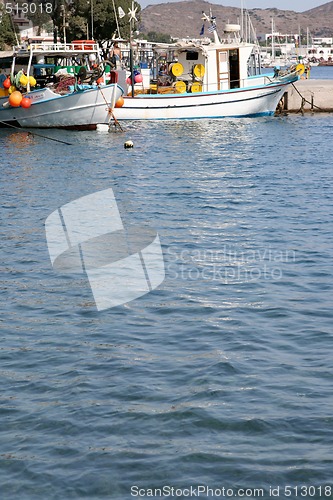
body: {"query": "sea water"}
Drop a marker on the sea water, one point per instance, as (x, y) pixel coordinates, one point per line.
(217, 383)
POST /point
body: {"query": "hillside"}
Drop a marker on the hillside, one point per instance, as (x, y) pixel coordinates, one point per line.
(182, 19)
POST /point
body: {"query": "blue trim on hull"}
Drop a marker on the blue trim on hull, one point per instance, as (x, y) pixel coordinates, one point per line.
(252, 115)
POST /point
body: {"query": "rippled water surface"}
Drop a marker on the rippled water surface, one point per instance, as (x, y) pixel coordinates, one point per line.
(222, 376)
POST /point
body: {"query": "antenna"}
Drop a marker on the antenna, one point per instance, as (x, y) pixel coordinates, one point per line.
(242, 19)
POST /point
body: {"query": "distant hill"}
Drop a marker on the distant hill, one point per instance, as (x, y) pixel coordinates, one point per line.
(181, 19)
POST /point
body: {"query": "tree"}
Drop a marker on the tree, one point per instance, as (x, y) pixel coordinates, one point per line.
(153, 36)
(40, 15)
(7, 29)
(84, 16)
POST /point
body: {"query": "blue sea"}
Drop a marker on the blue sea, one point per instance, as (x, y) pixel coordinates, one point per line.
(216, 384)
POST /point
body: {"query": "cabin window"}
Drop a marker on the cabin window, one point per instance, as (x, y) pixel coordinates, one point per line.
(223, 57)
(192, 56)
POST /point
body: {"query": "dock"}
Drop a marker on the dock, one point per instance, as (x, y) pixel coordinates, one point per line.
(308, 96)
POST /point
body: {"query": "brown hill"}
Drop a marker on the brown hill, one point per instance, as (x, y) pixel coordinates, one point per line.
(182, 19)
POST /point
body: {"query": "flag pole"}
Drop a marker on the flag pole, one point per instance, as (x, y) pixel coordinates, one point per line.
(116, 16)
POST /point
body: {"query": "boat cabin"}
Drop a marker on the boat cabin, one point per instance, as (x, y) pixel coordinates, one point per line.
(204, 65)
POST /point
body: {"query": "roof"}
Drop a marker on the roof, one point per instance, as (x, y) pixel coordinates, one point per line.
(5, 54)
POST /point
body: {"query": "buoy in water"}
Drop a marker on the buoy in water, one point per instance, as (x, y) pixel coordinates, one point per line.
(128, 144)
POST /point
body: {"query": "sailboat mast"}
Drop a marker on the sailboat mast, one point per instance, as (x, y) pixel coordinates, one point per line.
(273, 48)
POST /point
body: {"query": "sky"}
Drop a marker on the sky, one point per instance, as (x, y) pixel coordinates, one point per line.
(296, 5)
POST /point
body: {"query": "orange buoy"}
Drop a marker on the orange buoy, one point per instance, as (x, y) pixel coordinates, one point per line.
(120, 102)
(99, 81)
(15, 99)
(6, 84)
(26, 102)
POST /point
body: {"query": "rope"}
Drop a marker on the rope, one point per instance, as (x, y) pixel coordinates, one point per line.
(110, 111)
(305, 100)
(64, 84)
(35, 133)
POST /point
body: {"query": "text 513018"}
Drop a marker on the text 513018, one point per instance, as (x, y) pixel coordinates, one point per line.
(26, 8)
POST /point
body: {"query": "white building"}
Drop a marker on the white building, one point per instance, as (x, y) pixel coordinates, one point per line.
(322, 41)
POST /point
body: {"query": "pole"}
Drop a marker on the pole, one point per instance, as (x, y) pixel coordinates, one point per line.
(131, 67)
(131, 60)
(63, 12)
(273, 48)
(242, 20)
(92, 19)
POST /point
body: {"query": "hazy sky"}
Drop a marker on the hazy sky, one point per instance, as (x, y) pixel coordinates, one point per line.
(297, 5)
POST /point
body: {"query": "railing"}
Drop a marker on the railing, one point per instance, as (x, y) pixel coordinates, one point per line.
(78, 46)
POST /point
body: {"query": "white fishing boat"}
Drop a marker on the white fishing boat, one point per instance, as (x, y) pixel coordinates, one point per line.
(207, 79)
(74, 90)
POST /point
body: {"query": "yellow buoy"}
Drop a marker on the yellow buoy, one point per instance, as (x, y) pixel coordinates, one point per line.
(177, 69)
(32, 81)
(199, 70)
(180, 86)
(300, 68)
(11, 89)
(196, 87)
(24, 80)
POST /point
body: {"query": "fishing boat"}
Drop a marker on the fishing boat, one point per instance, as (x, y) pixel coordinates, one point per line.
(59, 86)
(207, 78)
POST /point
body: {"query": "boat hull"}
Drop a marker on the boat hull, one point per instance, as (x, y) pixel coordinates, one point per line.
(242, 102)
(82, 109)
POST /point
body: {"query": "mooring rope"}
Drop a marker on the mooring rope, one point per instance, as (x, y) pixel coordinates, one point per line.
(305, 100)
(110, 111)
(35, 133)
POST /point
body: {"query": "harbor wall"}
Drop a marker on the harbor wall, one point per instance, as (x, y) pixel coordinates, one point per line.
(308, 95)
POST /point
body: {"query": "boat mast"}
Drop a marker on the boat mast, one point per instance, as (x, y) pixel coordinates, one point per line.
(273, 48)
(92, 19)
(242, 20)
